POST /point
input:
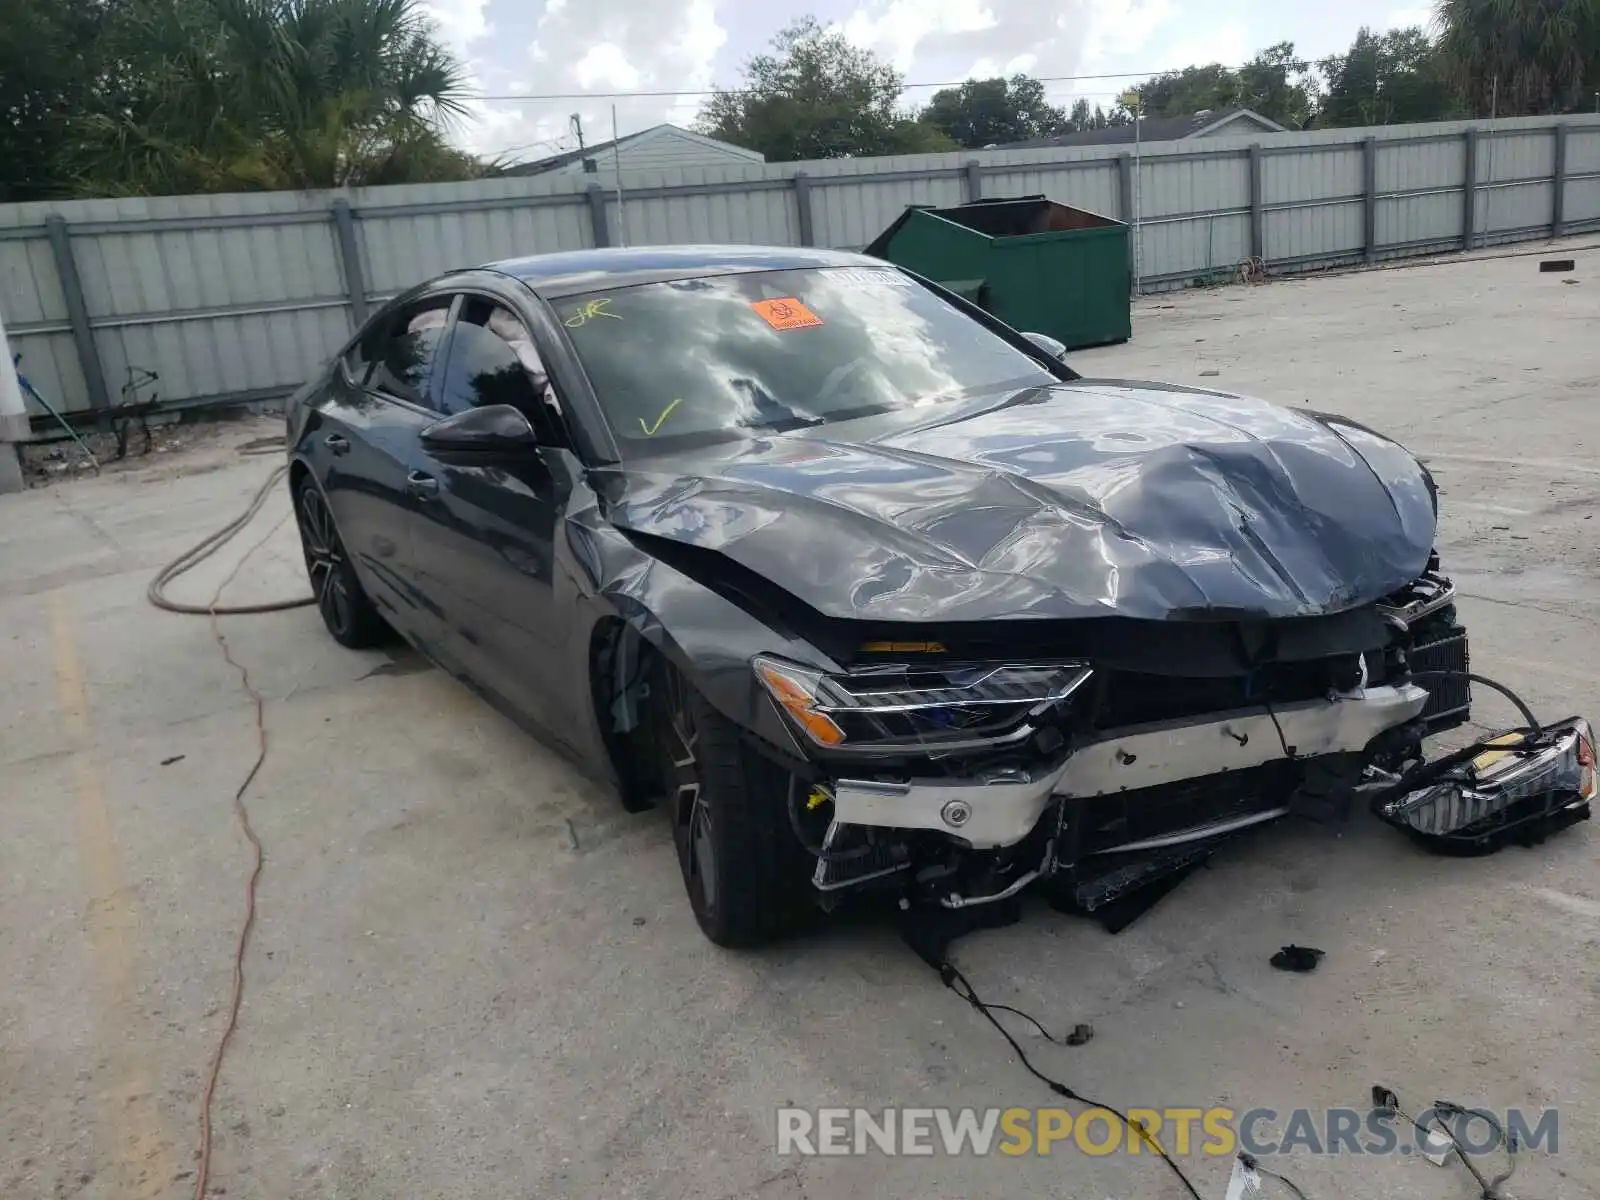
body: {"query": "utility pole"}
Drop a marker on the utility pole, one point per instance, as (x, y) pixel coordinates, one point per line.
(576, 122)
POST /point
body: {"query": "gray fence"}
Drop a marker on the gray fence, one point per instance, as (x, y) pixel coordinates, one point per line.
(236, 298)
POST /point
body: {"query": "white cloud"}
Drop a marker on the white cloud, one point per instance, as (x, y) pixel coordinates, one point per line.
(1405, 18)
(460, 22)
(894, 30)
(1125, 26)
(605, 63)
(601, 46)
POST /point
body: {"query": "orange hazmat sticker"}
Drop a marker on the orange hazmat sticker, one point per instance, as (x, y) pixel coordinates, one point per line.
(786, 314)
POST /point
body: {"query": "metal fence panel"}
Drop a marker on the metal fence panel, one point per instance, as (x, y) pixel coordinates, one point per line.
(850, 213)
(1583, 150)
(1290, 178)
(1583, 200)
(242, 295)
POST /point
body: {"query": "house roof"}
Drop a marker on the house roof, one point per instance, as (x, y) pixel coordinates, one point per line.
(597, 149)
(1155, 129)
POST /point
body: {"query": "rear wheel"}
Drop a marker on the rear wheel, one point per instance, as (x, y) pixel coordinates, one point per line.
(747, 876)
(346, 610)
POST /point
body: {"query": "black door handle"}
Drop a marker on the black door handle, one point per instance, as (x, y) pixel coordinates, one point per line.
(337, 442)
(419, 484)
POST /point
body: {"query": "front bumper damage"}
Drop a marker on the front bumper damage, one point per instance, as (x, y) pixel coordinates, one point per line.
(1005, 807)
(1113, 814)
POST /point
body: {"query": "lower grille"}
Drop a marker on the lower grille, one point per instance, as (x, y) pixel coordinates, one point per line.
(1103, 823)
(1449, 696)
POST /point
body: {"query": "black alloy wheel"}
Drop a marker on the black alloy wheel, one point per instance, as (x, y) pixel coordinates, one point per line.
(747, 876)
(691, 811)
(345, 608)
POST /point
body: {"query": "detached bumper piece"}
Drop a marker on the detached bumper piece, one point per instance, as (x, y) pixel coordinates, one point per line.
(1511, 788)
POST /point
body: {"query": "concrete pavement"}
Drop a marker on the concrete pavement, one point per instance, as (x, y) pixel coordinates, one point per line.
(474, 976)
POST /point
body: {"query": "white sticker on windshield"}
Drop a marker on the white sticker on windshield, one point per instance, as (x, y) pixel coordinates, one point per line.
(869, 276)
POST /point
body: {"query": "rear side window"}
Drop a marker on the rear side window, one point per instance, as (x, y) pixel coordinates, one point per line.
(401, 350)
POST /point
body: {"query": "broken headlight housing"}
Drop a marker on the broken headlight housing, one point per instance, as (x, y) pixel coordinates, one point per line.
(1509, 781)
(943, 707)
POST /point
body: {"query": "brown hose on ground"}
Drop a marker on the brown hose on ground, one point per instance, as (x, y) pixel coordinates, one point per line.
(208, 546)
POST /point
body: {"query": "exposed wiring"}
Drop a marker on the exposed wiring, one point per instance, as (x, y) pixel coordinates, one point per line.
(1288, 750)
(953, 979)
(1535, 727)
(810, 847)
(1488, 1189)
(1250, 1161)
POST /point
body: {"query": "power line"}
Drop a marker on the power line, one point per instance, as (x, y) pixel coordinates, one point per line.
(1294, 64)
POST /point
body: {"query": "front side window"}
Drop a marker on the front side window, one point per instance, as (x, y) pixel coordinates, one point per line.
(492, 360)
(730, 355)
(402, 348)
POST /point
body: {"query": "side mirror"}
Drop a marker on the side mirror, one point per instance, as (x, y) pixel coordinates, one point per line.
(1056, 350)
(492, 429)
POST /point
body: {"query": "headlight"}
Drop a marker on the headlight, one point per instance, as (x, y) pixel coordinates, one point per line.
(905, 706)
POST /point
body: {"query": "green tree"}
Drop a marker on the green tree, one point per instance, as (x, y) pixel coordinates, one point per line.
(1278, 86)
(1521, 57)
(1387, 79)
(1186, 92)
(231, 95)
(1274, 83)
(817, 96)
(1083, 118)
(52, 69)
(984, 112)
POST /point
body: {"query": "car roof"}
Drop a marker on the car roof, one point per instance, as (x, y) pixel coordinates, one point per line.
(569, 271)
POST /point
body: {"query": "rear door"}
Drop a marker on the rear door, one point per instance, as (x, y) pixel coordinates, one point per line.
(485, 539)
(372, 449)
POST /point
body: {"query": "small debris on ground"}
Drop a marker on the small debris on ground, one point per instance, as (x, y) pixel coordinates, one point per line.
(1080, 1035)
(1558, 264)
(1203, 374)
(167, 762)
(1301, 959)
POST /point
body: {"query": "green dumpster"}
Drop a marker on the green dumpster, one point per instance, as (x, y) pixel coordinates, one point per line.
(1039, 266)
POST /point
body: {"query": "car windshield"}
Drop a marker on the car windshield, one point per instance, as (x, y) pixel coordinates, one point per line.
(727, 355)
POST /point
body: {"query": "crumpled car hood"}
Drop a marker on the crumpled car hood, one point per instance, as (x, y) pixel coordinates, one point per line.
(1091, 498)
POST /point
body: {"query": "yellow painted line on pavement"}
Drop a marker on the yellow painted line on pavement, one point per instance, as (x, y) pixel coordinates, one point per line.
(131, 1144)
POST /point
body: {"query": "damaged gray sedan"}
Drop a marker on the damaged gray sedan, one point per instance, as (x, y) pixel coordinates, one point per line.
(876, 595)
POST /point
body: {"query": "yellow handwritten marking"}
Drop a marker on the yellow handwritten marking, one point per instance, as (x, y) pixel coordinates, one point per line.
(128, 1113)
(650, 430)
(590, 311)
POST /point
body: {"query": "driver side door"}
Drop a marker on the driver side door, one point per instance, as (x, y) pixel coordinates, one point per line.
(484, 538)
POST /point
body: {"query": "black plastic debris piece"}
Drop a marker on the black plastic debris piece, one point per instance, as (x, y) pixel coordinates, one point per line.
(1384, 1099)
(1080, 1035)
(1301, 959)
(167, 762)
(929, 929)
(1558, 264)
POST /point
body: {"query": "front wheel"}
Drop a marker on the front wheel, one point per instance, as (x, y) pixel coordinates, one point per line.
(748, 877)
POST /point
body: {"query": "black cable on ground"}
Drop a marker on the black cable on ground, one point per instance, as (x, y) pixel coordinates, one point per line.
(951, 976)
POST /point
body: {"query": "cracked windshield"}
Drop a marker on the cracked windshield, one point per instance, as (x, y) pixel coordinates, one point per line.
(771, 351)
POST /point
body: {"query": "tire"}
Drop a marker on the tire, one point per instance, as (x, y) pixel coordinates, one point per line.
(747, 876)
(348, 613)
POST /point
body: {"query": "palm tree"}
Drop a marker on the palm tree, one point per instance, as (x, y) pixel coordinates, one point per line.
(1521, 56)
(272, 94)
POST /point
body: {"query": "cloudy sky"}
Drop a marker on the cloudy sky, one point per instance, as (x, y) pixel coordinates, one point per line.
(590, 47)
